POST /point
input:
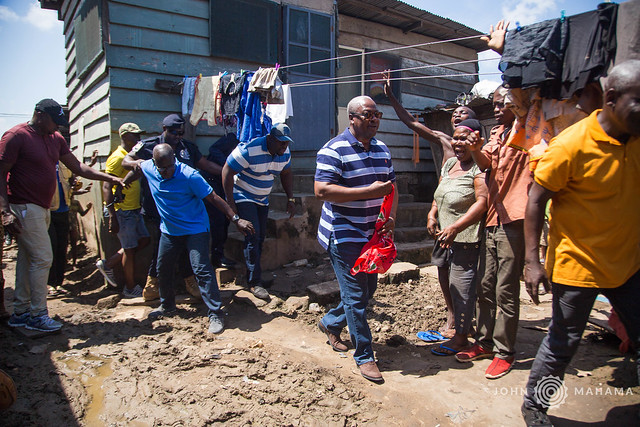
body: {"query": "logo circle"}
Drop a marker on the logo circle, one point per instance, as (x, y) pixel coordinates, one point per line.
(550, 391)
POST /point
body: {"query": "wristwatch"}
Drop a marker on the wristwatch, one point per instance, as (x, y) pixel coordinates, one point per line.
(235, 218)
(292, 200)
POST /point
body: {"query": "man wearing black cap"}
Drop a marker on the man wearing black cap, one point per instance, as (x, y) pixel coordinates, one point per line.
(255, 164)
(29, 153)
(185, 152)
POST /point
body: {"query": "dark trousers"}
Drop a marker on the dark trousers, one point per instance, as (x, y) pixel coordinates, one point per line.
(153, 227)
(257, 214)
(571, 308)
(197, 247)
(218, 227)
(498, 306)
(59, 235)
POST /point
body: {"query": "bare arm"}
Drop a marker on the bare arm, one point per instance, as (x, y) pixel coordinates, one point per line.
(534, 272)
(227, 185)
(10, 221)
(209, 166)
(437, 137)
(286, 177)
(218, 202)
(131, 162)
(432, 220)
(85, 171)
(338, 194)
(107, 196)
(472, 216)
(474, 143)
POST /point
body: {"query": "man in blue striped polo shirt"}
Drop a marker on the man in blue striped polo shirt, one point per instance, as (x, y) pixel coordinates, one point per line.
(252, 166)
(353, 174)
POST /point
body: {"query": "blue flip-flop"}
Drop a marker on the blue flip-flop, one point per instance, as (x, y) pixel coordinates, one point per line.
(430, 336)
(443, 350)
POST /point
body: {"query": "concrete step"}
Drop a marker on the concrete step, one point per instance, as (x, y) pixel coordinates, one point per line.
(410, 234)
(276, 252)
(418, 253)
(304, 201)
(413, 214)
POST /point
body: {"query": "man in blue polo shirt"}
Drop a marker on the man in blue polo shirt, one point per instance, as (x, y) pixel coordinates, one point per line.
(178, 191)
(253, 165)
(353, 174)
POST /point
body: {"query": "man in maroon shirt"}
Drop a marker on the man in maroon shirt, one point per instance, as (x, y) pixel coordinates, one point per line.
(29, 153)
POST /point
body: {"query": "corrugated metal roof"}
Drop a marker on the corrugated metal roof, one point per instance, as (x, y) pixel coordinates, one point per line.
(401, 15)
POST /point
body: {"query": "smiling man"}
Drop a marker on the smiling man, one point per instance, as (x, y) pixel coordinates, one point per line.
(353, 174)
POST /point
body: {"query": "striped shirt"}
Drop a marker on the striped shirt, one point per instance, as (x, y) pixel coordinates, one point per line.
(343, 161)
(255, 167)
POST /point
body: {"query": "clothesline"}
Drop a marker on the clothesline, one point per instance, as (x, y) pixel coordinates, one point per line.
(398, 78)
(383, 50)
(392, 71)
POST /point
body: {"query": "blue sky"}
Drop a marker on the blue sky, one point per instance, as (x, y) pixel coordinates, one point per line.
(32, 43)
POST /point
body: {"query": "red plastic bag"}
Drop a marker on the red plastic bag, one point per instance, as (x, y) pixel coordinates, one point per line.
(379, 252)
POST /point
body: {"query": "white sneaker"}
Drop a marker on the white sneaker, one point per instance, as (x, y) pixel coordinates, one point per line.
(133, 293)
(106, 272)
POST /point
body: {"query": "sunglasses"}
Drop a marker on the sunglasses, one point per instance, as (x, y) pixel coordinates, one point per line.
(160, 169)
(175, 132)
(368, 115)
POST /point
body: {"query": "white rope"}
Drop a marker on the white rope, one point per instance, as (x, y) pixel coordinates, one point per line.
(399, 78)
(382, 50)
(392, 71)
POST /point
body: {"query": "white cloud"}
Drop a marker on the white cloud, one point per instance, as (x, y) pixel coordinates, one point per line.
(7, 14)
(527, 11)
(43, 19)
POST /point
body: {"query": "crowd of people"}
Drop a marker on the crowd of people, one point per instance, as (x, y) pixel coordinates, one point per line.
(486, 218)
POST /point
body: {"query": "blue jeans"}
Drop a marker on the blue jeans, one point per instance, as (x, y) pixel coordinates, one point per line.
(257, 214)
(570, 311)
(355, 292)
(197, 246)
(152, 224)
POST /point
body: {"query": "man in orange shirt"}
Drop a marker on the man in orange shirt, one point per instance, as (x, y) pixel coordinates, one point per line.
(501, 263)
(591, 173)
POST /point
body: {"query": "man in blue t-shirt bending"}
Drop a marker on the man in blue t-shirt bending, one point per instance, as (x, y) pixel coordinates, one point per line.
(178, 191)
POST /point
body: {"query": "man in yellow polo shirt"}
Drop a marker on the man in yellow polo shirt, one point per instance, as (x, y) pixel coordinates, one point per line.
(124, 215)
(591, 172)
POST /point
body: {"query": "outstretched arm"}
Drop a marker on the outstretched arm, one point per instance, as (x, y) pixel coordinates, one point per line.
(437, 137)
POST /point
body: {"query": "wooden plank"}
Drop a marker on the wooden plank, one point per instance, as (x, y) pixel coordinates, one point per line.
(410, 101)
(182, 7)
(144, 100)
(171, 64)
(144, 38)
(87, 96)
(128, 14)
(372, 33)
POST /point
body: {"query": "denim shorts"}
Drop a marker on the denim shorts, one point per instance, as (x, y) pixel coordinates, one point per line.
(132, 228)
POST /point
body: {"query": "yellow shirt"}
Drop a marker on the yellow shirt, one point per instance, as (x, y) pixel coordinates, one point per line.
(594, 235)
(131, 194)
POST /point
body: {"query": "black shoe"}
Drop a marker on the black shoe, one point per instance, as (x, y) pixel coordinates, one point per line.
(226, 262)
(535, 417)
(161, 312)
(260, 292)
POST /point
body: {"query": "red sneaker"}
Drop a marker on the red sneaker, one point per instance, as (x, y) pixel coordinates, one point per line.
(499, 367)
(474, 353)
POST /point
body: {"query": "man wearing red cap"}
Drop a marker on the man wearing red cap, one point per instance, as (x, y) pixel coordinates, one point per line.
(29, 153)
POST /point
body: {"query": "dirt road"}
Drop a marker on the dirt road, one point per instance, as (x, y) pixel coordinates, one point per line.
(271, 366)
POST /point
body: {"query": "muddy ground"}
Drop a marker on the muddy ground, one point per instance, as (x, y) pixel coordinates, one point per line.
(271, 366)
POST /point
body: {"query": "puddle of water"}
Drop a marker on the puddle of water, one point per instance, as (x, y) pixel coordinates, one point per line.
(92, 371)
